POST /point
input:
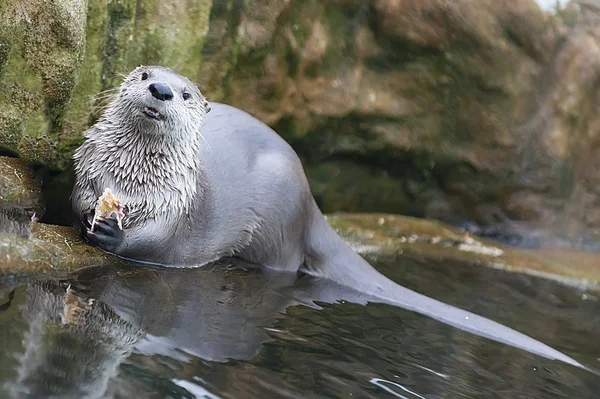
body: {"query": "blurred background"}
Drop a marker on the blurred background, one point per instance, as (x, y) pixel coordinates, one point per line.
(479, 113)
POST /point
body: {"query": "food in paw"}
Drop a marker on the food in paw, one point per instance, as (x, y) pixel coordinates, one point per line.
(108, 205)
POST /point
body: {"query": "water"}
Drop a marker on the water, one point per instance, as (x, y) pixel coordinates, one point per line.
(232, 331)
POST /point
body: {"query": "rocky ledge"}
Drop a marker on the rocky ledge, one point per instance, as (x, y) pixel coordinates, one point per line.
(28, 246)
(374, 235)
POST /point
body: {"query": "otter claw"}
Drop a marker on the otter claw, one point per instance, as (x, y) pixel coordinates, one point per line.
(106, 234)
(88, 219)
(108, 226)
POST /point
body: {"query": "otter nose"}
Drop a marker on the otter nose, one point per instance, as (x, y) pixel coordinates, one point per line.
(161, 91)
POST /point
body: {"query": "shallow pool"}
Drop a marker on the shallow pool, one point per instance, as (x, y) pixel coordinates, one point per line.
(232, 331)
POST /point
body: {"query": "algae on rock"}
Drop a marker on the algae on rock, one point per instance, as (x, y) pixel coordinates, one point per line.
(46, 42)
(56, 57)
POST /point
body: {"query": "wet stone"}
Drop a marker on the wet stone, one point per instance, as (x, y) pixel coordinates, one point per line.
(27, 246)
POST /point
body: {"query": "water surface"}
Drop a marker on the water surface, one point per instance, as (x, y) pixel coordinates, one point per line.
(233, 331)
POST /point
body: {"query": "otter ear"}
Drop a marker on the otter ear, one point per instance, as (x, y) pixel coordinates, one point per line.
(135, 71)
(205, 102)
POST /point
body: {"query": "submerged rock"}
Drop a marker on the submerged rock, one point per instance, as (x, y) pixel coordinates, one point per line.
(48, 248)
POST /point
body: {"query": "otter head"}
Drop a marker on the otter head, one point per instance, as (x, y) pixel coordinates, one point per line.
(145, 147)
(155, 100)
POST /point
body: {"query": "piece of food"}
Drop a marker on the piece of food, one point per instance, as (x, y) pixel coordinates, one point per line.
(107, 206)
(75, 308)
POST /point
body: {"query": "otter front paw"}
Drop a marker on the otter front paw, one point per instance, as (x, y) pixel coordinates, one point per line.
(106, 234)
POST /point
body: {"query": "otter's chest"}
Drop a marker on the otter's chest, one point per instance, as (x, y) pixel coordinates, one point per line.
(147, 200)
(151, 176)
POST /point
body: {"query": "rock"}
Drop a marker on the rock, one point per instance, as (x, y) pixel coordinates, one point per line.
(20, 197)
(479, 113)
(375, 235)
(48, 248)
(27, 246)
(58, 58)
(18, 188)
(43, 50)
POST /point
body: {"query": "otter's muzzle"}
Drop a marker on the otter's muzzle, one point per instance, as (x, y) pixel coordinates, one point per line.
(161, 91)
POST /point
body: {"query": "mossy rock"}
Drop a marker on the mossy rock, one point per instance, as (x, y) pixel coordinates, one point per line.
(48, 249)
(57, 58)
(18, 188)
(27, 246)
(374, 235)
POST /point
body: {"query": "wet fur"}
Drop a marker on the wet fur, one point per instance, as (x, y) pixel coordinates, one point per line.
(206, 186)
(147, 162)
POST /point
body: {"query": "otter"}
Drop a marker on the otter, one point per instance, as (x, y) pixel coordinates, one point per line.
(200, 186)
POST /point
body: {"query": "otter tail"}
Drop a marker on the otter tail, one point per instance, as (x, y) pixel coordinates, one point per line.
(329, 257)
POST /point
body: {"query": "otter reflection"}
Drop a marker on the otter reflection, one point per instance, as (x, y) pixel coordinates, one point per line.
(72, 347)
(82, 328)
(213, 313)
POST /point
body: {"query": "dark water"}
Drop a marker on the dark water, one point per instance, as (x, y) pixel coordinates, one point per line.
(238, 332)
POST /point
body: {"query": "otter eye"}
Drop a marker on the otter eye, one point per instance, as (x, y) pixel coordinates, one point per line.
(145, 76)
(186, 96)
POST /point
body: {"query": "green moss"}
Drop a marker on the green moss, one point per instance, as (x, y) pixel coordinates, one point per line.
(38, 150)
(55, 58)
(11, 128)
(4, 52)
(37, 125)
(21, 111)
(41, 70)
(220, 52)
(121, 19)
(58, 83)
(18, 73)
(170, 35)
(83, 109)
